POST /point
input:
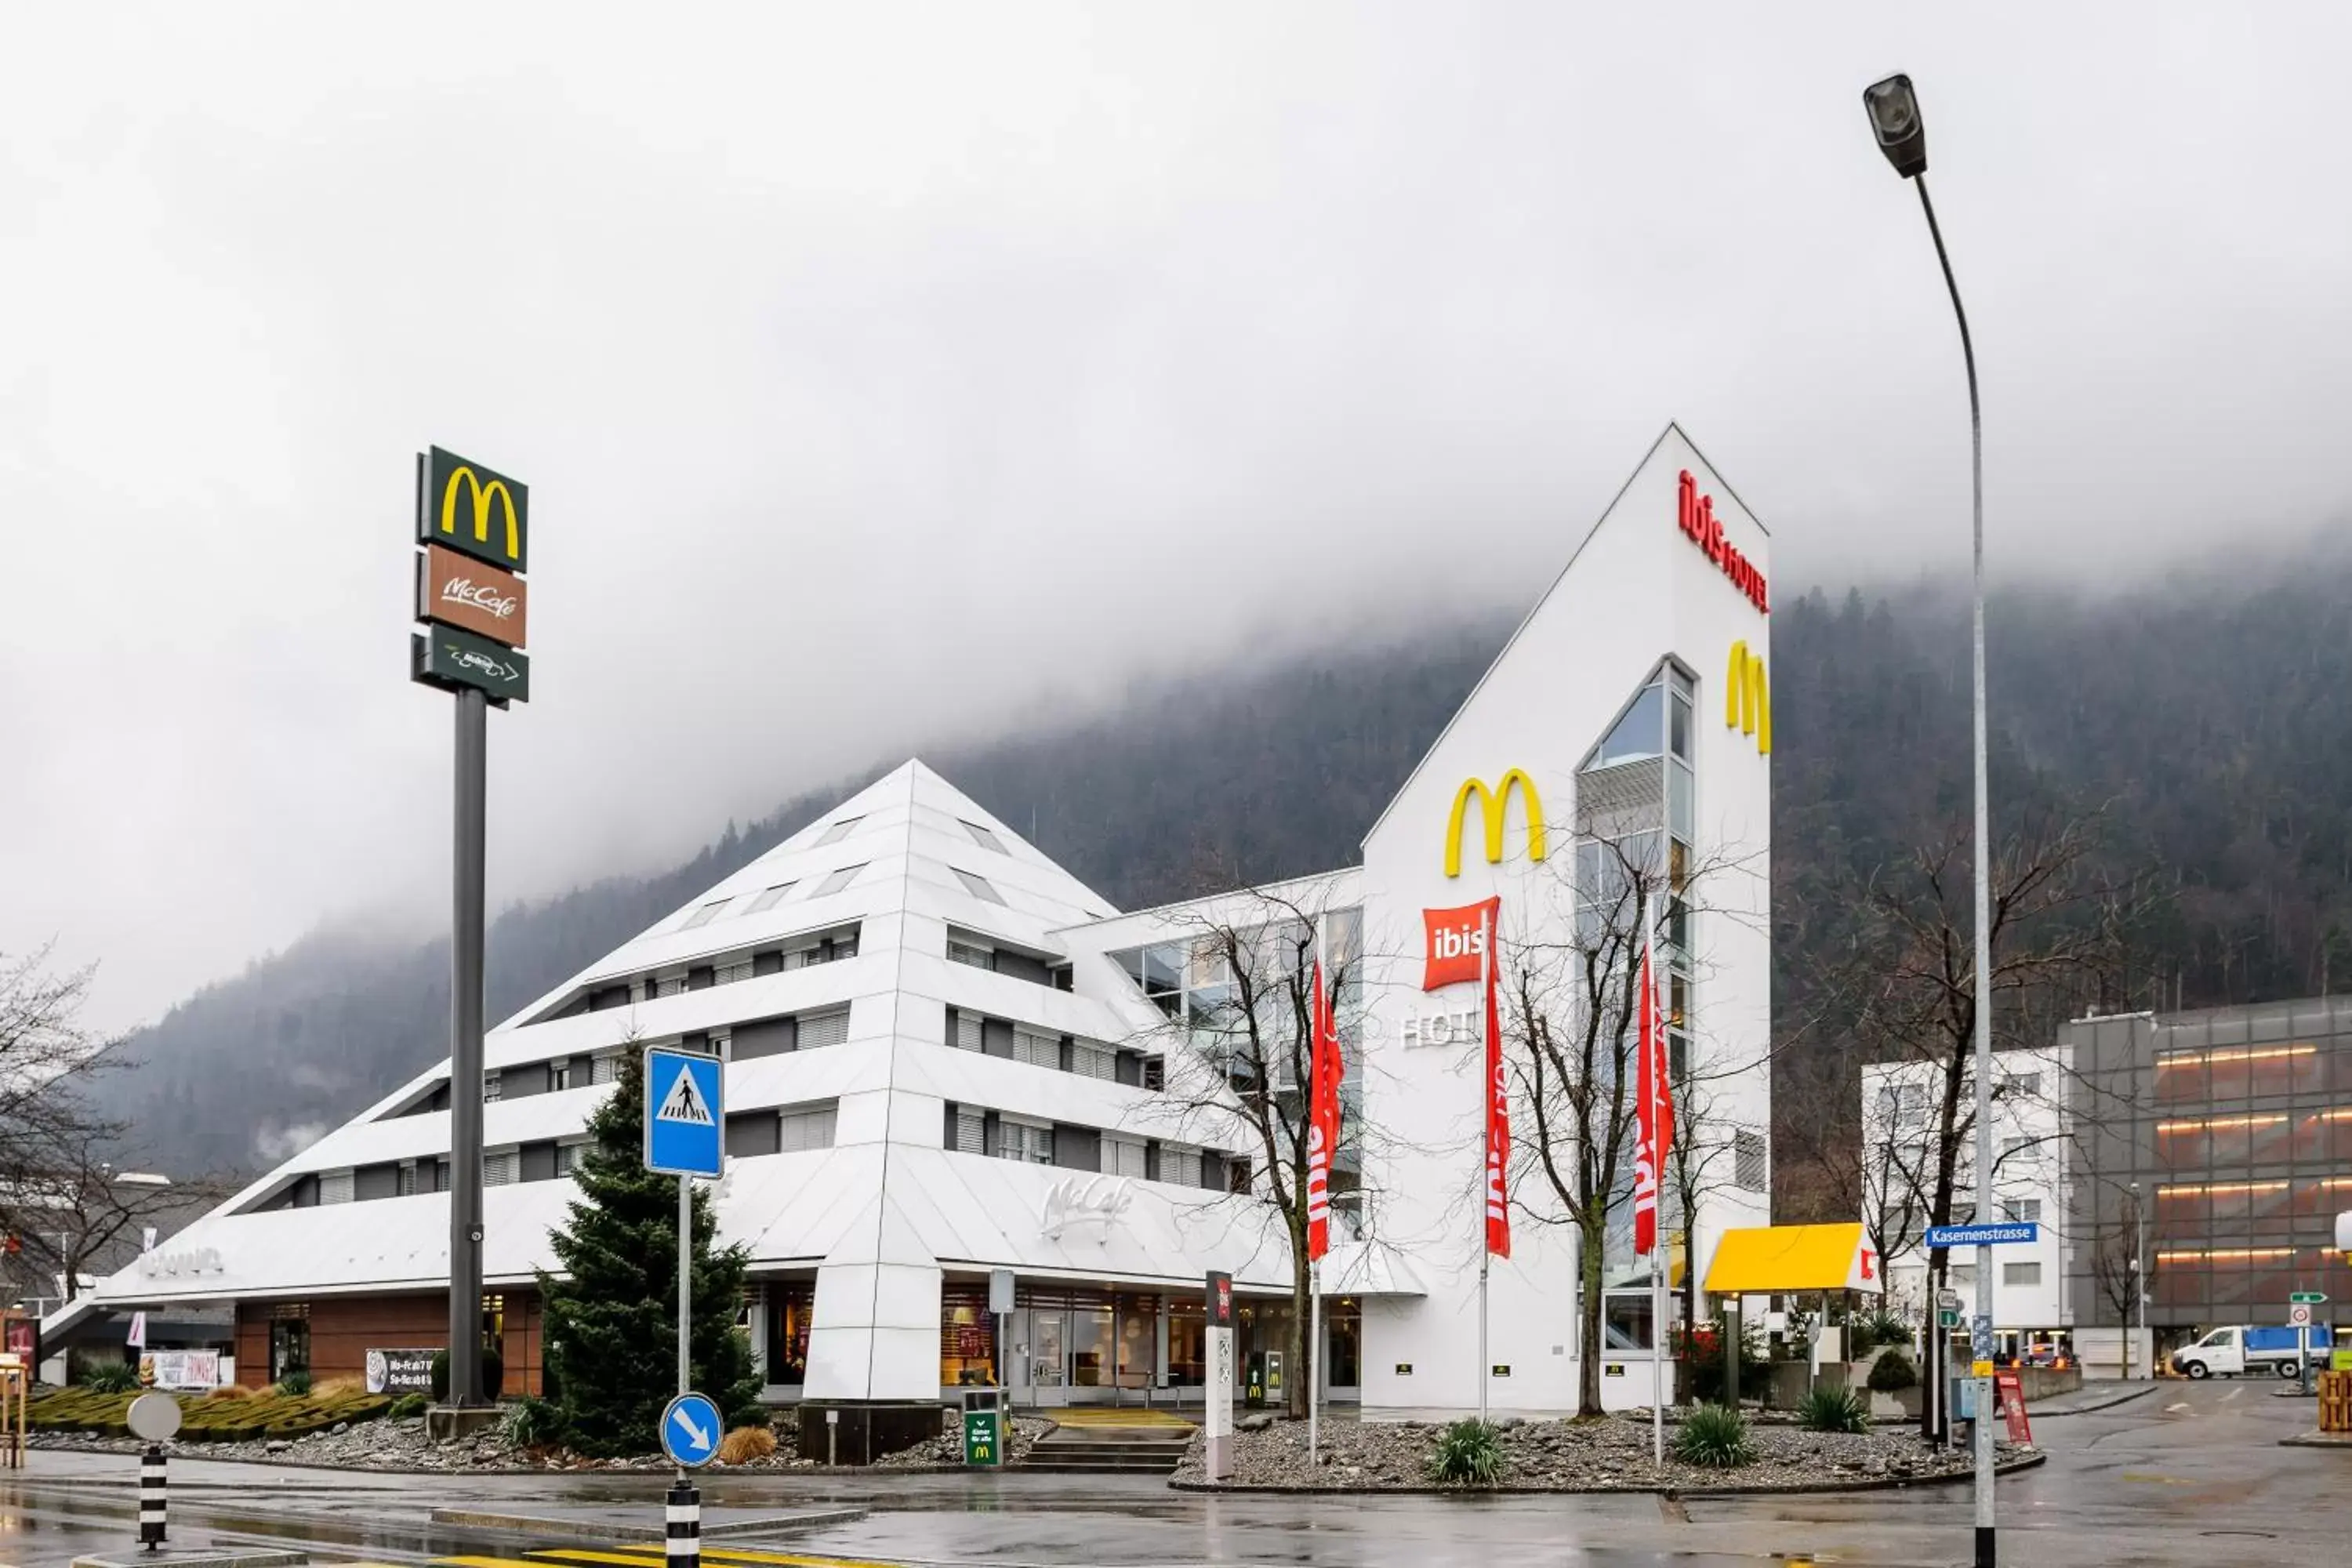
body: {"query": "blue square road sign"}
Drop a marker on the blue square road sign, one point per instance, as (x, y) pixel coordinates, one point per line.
(686, 1112)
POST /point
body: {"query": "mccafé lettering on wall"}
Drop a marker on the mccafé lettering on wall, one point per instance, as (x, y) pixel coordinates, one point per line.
(1695, 513)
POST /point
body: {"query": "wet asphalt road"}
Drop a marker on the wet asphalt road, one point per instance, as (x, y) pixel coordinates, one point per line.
(2190, 1474)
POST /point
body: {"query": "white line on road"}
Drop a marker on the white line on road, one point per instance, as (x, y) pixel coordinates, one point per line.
(2231, 1395)
(2171, 1408)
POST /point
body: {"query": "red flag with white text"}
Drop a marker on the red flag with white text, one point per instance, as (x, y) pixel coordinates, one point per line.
(1499, 1104)
(1655, 1136)
(1322, 1118)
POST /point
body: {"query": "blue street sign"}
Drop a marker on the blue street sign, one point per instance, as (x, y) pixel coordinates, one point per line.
(1982, 1234)
(689, 1429)
(685, 1113)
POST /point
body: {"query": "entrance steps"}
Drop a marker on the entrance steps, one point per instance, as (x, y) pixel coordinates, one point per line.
(1099, 1441)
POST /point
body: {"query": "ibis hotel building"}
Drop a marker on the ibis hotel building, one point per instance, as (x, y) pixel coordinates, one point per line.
(947, 1058)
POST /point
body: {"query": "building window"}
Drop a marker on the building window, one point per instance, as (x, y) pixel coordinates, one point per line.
(1749, 1166)
(965, 953)
(335, 1186)
(2021, 1211)
(498, 1170)
(822, 1029)
(978, 887)
(604, 1068)
(2016, 1148)
(1024, 1141)
(1640, 734)
(491, 1088)
(967, 1035)
(1123, 1157)
(790, 1308)
(706, 914)
(971, 1131)
(983, 836)
(809, 1127)
(2022, 1085)
(1090, 1060)
(1036, 1050)
(1625, 1321)
(836, 880)
(771, 897)
(835, 835)
(2021, 1274)
(405, 1183)
(559, 1074)
(1180, 1166)
(568, 1157)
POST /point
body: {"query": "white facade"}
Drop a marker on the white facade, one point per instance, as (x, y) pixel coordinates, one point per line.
(2033, 1162)
(947, 1056)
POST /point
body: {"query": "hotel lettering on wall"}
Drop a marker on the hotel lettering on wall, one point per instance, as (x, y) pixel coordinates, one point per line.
(1695, 514)
(472, 525)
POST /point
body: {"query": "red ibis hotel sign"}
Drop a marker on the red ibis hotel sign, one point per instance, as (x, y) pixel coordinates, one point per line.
(1695, 513)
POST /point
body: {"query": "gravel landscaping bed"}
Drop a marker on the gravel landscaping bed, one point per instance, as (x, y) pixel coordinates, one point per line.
(1571, 1456)
(401, 1448)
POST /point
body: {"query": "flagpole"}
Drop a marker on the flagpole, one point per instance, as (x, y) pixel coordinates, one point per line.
(1486, 1123)
(1314, 1362)
(1658, 1225)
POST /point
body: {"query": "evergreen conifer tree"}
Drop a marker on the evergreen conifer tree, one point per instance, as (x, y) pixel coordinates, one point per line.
(612, 1320)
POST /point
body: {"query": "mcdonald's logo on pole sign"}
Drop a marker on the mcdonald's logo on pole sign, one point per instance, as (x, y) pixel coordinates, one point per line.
(473, 524)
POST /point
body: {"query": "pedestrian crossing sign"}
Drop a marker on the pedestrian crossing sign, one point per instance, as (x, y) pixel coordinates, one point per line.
(684, 1112)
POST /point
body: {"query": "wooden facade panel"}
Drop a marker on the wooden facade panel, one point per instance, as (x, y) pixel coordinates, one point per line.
(343, 1328)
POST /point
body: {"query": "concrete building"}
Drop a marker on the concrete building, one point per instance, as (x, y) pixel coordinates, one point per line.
(948, 1057)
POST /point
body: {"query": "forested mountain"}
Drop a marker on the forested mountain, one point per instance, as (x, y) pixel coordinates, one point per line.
(2205, 715)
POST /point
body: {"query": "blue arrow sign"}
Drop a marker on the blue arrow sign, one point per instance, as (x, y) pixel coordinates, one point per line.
(685, 1113)
(689, 1429)
(1982, 1234)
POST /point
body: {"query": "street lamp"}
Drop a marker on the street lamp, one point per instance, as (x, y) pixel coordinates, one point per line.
(1902, 134)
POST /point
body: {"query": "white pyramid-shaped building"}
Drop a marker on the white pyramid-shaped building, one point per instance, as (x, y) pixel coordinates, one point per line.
(949, 1060)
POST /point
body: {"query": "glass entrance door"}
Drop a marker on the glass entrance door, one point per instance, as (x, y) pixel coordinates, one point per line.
(1048, 1358)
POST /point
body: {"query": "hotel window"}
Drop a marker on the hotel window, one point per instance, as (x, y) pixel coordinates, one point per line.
(971, 1131)
(1026, 1142)
(2021, 1274)
(836, 880)
(1749, 1166)
(1036, 1050)
(837, 832)
(965, 953)
(822, 1029)
(1094, 1061)
(498, 1170)
(335, 1186)
(984, 838)
(2021, 1211)
(1123, 1157)
(965, 1034)
(809, 1127)
(1180, 1166)
(706, 914)
(771, 897)
(978, 887)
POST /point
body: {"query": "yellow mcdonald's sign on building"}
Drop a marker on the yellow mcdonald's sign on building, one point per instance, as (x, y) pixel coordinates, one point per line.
(1748, 697)
(1492, 803)
(474, 509)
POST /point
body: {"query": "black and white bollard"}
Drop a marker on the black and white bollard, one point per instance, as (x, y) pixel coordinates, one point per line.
(152, 1496)
(685, 1533)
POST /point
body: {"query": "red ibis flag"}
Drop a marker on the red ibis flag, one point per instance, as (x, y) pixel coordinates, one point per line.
(1322, 1119)
(1498, 1105)
(1655, 1138)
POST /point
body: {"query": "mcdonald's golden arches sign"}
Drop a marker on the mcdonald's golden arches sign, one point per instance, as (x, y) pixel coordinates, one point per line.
(1493, 804)
(1748, 697)
(474, 509)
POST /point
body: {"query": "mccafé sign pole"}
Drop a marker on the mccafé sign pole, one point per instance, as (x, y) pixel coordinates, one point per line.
(473, 529)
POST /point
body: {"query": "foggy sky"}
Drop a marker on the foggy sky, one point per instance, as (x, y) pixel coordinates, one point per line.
(891, 373)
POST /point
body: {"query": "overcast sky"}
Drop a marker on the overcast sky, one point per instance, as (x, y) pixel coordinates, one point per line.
(884, 372)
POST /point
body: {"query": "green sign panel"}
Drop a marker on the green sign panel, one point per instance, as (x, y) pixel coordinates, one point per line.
(444, 657)
(1948, 1318)
(983, 1437)
(2308, 1299)
(474, 509)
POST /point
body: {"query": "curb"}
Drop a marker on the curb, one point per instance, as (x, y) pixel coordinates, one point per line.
(2124, 1398)
(2021, 1462)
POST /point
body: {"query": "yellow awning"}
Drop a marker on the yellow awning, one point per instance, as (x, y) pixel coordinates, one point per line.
(1778, 1260)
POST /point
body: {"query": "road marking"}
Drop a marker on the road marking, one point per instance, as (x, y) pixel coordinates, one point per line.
(2169, 1409)
(2231, 1395)
(652, 1557)
(2160, 1481)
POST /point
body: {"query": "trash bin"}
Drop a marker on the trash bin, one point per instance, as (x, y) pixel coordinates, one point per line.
(984, 1426)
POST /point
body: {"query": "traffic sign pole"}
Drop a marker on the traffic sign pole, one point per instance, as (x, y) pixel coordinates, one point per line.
(684, 1289)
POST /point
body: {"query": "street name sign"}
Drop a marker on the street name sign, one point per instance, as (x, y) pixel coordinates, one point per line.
(1983, 1234)
(685, 1111)
(690, 1430)
(2309, 1297)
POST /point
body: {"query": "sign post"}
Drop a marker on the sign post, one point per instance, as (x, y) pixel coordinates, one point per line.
(154, 1417)
(686, 1121)
(2298, 1314)
(483, 518)
(1219, 1412)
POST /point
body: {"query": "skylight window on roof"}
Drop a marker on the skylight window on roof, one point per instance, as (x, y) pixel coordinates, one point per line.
(772, 898)
(978, 887)
(706, 914)
(838, 831)
(985, 838)
(836, 880)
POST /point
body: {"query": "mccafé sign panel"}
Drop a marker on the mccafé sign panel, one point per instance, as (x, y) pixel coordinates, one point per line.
(1695, 513)
(464, 592)
(478, 509)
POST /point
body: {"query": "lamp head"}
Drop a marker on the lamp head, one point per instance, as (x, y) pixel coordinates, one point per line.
(1893, 111)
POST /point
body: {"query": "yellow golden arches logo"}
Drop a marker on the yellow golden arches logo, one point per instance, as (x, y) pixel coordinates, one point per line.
(1491, 803)
(1748, 697)
(483, 496)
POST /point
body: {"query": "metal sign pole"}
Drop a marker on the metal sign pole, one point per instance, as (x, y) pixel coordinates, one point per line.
(465, 1054)
(684, 1289)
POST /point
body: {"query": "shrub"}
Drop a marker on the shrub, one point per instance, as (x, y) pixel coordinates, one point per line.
(533, 1422)
(1888, 1328)
(231, 1391)
(107, 1376)
(745, 1443)
(408, 1406)
(346, 1387)
(1833, 1410)
(1469, 1453)
(1707, 1384)
(1714, 1438)
(294, 1384)
(494, 1376)
(1892, 1373)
